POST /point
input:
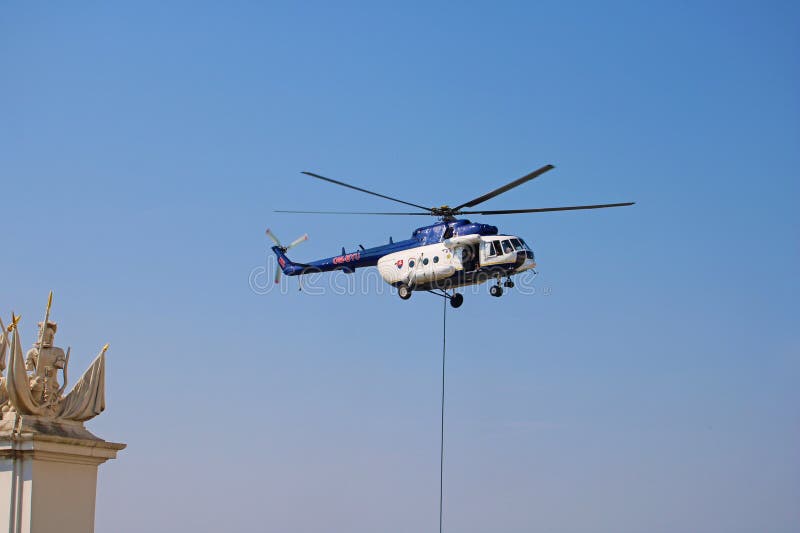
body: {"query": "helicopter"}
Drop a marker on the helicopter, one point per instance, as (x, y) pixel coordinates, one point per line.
(438, 258)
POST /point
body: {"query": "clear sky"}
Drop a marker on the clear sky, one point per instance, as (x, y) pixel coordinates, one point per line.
(649, 383)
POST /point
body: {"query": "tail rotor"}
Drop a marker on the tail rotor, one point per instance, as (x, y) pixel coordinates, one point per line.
(284, 249)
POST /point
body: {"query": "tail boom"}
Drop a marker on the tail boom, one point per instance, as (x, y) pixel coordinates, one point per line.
(288, 267)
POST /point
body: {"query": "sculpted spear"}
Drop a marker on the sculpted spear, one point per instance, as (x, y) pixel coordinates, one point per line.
(6, 331)
(5, 346)
(44, 328)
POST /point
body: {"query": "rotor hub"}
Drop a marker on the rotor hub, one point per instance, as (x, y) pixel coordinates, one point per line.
(445, 212)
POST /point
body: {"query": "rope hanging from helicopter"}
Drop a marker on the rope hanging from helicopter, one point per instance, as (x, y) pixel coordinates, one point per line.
(441, 434)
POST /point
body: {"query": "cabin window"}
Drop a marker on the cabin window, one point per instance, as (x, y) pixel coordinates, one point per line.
(497, 249)
(425, 261)
(507, 248)
(435, 258)
(410, 263)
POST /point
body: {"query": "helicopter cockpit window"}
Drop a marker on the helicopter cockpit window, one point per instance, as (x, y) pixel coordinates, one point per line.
(488, 249)
(497, 249)
(507, 248)
(517, 245)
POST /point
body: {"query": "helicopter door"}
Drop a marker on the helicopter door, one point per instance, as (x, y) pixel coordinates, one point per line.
(468, 257)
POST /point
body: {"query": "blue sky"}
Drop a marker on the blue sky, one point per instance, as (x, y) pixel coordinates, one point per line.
(650, 383)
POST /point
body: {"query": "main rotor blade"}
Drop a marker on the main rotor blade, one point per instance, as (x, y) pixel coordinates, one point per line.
(505, 188)
(343, 184)
(545, 209)
(346, 213)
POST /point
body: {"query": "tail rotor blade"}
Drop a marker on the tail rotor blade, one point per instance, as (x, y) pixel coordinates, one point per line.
(273, 237)
(277, 274)
(297, 241)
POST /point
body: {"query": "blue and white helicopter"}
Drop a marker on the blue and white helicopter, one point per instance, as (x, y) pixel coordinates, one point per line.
(439, 258)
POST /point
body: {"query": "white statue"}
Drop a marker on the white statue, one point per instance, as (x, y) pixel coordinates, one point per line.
(45, 360)
(40, 393)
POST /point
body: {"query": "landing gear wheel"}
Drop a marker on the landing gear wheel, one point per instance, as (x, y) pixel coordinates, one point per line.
(496, 291)
(403, 291)
(508, 283)
(456, 300)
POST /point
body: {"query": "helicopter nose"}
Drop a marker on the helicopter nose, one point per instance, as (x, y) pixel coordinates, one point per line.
(525, 261)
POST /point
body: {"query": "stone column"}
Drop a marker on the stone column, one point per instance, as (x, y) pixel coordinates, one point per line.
(48, 474)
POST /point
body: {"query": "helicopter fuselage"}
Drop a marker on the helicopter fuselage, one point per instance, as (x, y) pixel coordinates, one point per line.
(445, 255)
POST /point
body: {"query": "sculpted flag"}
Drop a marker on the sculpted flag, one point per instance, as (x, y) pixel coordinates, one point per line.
(19, 392)
(88, 398)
